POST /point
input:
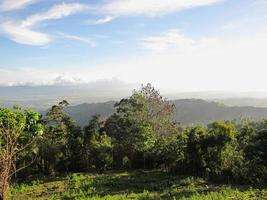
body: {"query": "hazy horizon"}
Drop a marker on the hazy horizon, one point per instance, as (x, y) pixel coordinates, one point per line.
(41, 97)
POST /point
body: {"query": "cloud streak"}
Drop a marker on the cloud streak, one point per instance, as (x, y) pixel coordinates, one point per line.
(56, 12)
(22, 32)
(84, 40)
(10, 5)
(151, 7)
(24, 35)
(105, 20)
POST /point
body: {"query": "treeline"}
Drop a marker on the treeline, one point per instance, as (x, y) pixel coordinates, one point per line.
(141, 134)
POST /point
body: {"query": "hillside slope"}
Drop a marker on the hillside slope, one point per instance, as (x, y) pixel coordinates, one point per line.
(187, 111)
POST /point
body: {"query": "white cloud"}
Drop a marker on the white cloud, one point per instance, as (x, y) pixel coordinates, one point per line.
(9, 5)
(177, 61)
(151, 7)
(169, 40)
(21, 31)
(105, 20)
(221, 64)
(117, 8)
(24, 35)
(56, 12)
(85, 40)
(66, 79)
(231, 64)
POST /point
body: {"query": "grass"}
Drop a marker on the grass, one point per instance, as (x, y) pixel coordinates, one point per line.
(139, 185)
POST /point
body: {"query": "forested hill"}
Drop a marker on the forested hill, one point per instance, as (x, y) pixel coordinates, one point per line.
(82, 113)
(187, 111)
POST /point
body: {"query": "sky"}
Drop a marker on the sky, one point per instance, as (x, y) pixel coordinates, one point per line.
(183, 45)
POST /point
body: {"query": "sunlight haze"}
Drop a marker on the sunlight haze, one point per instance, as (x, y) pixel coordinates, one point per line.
(196, 45)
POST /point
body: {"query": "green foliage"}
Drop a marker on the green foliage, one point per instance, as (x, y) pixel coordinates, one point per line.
(101, 152)
(140, 122)
(53, 148)
(195, 149)
(97, 146)
(19, 130)
(170, 150)
(256, 156)
(129, 131)
(128, 126)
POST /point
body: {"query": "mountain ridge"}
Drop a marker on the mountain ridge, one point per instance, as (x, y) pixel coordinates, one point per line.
(188, 111)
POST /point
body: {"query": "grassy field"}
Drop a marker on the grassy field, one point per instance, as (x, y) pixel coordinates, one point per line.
(153, 185)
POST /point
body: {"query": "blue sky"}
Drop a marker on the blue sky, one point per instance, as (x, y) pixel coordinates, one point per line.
(186, 45)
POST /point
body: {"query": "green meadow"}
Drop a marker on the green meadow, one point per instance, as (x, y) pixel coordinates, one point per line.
(139, 185)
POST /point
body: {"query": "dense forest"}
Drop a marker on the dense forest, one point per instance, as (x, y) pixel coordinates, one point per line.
(142, 134)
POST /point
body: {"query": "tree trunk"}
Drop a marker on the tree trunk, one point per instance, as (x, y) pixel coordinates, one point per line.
(4, 176)
(3, 187)
(144, 160)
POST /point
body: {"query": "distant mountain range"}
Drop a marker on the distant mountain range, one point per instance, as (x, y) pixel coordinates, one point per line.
(188, 111)
(41, 97)
(44, 96)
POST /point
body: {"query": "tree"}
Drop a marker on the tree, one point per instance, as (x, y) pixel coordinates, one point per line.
(74, 145)
(246, 131)
(19, 129)
(159, 112)
(54, 148)
(256, 158)
(97, 146)
(130, 131)
(220, 148)
(100, 152)
(196, 137)
(140, 120)
(171, 151)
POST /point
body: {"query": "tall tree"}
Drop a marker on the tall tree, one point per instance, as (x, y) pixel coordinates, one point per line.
(97, 152)
(256, 157)
(129, 128)
(220, 148)
(196, 138)
(19, 129)
(54, 149)
(74, 145)
(158, 111)
(140, 120)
